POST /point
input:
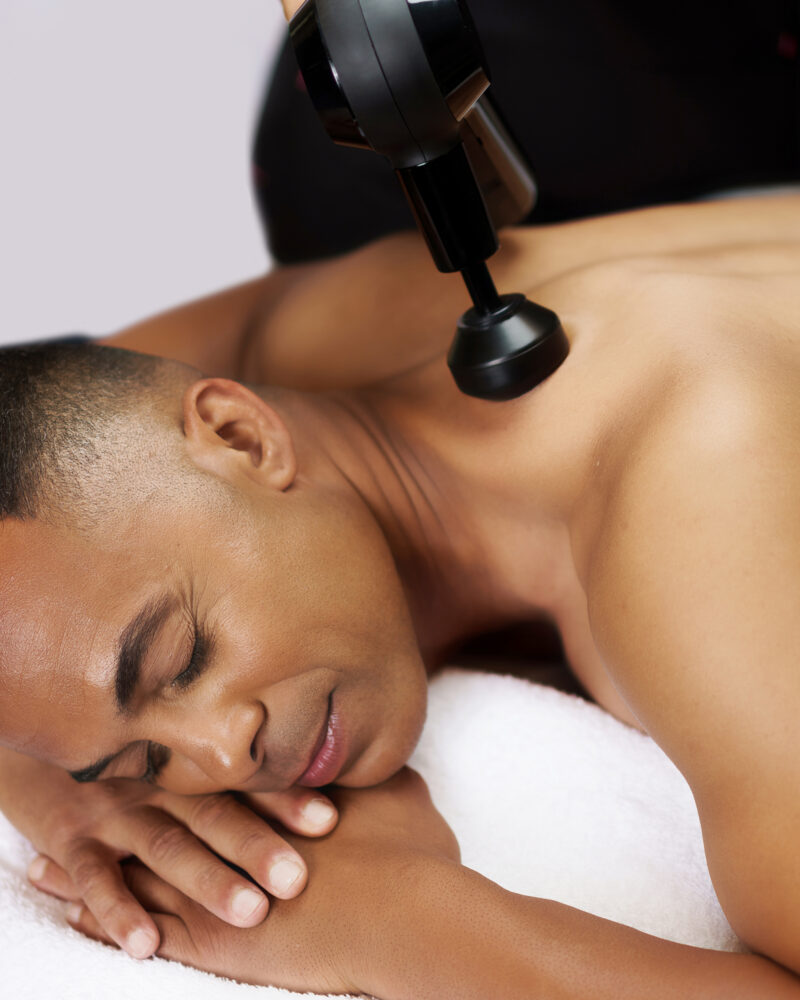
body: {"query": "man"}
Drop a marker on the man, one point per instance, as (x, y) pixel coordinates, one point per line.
(217, 588)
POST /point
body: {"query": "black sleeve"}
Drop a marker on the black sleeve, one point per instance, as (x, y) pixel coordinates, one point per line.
(618, 103)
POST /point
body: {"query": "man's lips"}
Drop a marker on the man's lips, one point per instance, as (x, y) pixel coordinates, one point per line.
(329, 752)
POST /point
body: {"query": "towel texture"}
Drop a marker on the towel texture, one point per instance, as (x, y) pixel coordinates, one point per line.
(547, 794)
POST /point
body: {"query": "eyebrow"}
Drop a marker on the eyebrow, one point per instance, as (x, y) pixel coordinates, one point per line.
(134, 644)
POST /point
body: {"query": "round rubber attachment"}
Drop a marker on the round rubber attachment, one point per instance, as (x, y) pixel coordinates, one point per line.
(504, 354)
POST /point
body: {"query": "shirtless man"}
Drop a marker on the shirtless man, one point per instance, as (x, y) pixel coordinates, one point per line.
(275, 562)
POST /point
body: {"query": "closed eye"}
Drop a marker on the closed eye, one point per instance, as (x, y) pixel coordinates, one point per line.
(197, 661)
(157, 755)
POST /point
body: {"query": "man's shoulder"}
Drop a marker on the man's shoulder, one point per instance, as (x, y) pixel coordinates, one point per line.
(706, 433)
(694, 571)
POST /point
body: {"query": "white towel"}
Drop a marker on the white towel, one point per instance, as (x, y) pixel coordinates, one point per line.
(547, 794)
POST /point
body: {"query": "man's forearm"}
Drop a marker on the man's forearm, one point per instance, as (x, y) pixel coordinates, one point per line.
(464, 936)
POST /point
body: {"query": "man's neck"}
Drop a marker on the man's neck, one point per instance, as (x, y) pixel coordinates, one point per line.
(452, 530)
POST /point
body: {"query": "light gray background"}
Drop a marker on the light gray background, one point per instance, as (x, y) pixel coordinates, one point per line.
(125, 132)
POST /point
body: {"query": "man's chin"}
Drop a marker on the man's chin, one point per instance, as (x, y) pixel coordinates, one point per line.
(379, 763)
(359, 778)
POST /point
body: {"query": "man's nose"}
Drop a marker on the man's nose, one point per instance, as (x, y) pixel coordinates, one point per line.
(222, 741)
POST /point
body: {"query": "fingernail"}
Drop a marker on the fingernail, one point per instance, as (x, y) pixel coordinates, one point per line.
(318, 812)
(73, 912)
(37, 868)
(140, 944)
(245, 903)
(284, 874)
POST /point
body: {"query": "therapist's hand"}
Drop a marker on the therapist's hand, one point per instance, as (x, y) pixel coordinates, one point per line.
(84, 832)
(290, 7)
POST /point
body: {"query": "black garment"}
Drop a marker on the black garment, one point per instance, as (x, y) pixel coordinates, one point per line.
(618, 103)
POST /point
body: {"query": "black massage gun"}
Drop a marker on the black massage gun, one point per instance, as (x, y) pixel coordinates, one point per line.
(407, 78)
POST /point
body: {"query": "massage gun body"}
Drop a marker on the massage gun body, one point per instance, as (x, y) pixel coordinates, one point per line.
(409, 81)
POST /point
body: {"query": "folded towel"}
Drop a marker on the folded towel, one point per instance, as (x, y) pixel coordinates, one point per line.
(547, 794)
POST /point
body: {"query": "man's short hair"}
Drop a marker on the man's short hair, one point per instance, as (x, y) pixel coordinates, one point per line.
(60, 402)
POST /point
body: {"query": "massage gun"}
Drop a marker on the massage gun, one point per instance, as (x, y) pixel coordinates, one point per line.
(408, 79)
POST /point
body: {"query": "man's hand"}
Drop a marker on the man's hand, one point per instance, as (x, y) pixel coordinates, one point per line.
(84, 832)
(330, 938)
(389, 912)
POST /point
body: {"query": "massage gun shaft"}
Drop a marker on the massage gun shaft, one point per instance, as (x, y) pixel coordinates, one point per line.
(481, 288)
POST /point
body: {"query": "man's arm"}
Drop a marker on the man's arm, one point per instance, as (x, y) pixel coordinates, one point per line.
(390, 912)
(462, 935)
(694, 593)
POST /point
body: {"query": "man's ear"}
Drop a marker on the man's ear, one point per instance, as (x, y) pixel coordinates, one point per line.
(232, 432)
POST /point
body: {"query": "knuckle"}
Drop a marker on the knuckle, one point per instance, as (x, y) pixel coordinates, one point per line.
(209, 810)
(208, 878)
(254, 844)
(85, 868)
(110, 911)
(165, 842)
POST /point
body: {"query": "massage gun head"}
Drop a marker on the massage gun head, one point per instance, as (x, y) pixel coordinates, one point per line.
(399, 78)
(507, 352)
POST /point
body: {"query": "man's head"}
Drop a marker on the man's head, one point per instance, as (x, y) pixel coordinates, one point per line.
(173, 583)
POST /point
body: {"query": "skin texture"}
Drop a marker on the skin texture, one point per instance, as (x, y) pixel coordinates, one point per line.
(230, 572)
(226, 746)
(654, 523)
